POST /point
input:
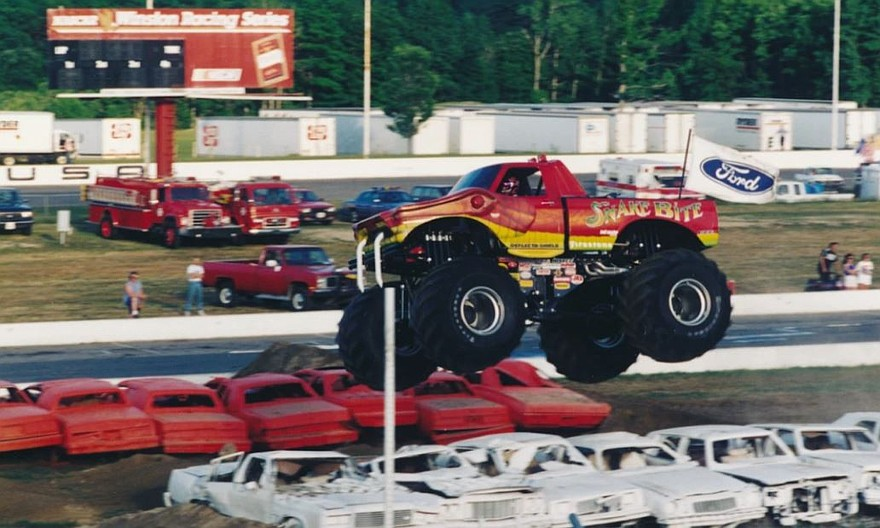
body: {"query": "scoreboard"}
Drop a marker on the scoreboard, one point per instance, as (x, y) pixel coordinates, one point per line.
(169, 48)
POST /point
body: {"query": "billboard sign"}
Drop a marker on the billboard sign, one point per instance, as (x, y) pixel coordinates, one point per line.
(170, 48)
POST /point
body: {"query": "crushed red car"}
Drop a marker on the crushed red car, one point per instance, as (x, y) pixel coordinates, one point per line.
(449, 410)
(95, 416)
(189, 417)
(367, 406)
(535, 402)
(283, 412)
(24, 425)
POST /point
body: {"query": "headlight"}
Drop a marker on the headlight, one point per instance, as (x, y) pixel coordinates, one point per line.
(305, 210)
(322, 282)
(27, 214)
(225, 220)
(184, 221)
(331, 209)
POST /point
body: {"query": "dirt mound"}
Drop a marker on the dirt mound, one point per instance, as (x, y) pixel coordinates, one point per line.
(183, 515)
(287, 358)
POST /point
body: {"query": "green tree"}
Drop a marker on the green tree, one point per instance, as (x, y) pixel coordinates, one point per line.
(410, 88)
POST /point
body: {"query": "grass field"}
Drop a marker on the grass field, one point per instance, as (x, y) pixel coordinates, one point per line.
(764, 248)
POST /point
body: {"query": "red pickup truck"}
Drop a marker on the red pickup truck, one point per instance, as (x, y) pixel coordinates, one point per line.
(301, 276)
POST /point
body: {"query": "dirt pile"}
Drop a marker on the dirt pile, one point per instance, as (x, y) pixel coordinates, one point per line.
(287, 358)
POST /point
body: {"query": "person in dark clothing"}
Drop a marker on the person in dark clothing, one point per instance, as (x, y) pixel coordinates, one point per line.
(827, 262)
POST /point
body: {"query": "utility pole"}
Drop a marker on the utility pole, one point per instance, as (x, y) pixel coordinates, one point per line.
(367, 74)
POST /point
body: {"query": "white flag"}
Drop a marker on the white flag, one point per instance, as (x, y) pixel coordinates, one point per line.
(730, 175)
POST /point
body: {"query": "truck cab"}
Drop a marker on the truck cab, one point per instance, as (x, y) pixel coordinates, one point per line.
(16, 215)
(262, 207)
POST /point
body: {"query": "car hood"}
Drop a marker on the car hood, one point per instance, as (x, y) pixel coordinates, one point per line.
(574, 484)
(14, 208)
(677, 483)
(772, 474)
(855, 459)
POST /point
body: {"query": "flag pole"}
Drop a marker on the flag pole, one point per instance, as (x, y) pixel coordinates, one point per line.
(687, 148)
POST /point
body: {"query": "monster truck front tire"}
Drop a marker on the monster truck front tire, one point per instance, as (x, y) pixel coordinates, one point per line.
(361, 340)
(587, 343)
(469, 314)
(676, 306)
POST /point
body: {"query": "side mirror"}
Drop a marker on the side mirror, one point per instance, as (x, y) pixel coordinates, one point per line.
(252, 485)
(272, 263)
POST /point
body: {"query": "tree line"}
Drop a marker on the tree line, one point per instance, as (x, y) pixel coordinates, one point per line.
(513, 51)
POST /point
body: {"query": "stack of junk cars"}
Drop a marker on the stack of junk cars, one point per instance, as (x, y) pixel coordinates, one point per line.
(694, 476)
(266, 411)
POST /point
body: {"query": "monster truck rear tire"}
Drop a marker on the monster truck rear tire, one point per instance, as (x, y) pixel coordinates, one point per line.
(361, 340)
(587, 343)
(468, 314)
(676, 305)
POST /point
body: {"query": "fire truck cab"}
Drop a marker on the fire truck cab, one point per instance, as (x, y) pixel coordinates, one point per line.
(171, 209)
(642, 178)
(263, 207)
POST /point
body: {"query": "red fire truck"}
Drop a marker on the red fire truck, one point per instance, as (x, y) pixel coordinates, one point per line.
(171, 209)
(264, 207)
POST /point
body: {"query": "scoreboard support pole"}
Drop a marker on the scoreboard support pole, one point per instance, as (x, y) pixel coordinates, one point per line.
(165, 120)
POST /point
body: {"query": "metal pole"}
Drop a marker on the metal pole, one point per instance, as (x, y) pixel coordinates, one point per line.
(835, 74)
(390, 415)
(367, 74)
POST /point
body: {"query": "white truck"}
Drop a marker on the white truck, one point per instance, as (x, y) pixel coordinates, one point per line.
(31, 137)
(642, 178)
(295, 489)
(791, 191)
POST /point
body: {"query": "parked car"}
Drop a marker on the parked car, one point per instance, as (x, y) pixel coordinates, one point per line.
(535, 402)
(372, 201)
(424, 192)
(313, 209)
(468, 497)
(849, 448)
(302, 489)
(869, 420)
(16, 215)
(794, 491)
(679, 491)
(571, 485)
(189, 417)
(449, 410)
(283, 412)
(367, 406)
(95, 416)
(24, 425)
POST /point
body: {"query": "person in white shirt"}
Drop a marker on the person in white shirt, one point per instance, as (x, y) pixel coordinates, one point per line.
(194, 292)
(865, 271)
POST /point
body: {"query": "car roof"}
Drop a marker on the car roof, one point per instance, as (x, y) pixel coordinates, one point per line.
(810, 426)
(611, 440)
(164, 384)
(710, 432)
(261, 378)
(509, 439)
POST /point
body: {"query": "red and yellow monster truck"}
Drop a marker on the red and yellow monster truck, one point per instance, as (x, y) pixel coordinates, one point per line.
(606, 278)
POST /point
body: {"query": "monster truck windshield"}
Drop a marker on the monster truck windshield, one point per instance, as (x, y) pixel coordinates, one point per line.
(480, 178)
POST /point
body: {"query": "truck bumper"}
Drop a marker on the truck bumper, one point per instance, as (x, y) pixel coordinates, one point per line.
(211, 233)
(16, 225)
(270, 231)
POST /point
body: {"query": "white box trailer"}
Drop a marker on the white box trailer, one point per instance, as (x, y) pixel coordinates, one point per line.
(869, 188)
(629, 132)
(754, 130)
(32, 137)
(471, 133)
(265, 137)
(431, 139)
(108, 137)
(812, 128)
(668, 132)
(553, 133)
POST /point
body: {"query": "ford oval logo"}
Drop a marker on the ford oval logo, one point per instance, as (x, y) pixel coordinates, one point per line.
(738, 176)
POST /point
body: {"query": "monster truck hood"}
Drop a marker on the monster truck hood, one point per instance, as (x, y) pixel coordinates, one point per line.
(775, 474)
(673, 483)
(474, 203)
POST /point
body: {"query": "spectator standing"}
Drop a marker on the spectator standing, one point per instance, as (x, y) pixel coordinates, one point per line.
(850, 281)
(827, 261)
(194, 291)
(865, 271)
(134, 295)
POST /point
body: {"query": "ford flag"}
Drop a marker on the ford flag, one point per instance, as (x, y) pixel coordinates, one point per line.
(730, 175)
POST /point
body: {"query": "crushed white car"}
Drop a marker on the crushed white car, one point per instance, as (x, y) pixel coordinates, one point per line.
(793, 490)
(295, 489)
(571, 485)
(848, 448)
(467, 497)
(680, 492)
(869, 420)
